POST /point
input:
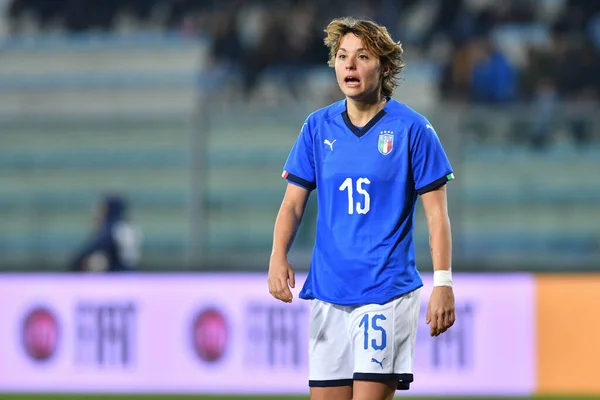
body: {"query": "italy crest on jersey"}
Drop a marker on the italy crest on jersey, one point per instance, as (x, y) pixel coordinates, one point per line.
(386, 142)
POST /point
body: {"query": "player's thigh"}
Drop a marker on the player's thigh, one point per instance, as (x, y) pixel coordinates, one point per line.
(330, 359)
(331, 393)
(374, 390)
(383, 342)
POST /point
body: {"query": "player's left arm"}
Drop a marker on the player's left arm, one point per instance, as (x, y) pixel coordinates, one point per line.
(440, 311)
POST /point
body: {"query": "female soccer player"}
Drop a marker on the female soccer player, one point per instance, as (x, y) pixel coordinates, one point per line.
(370, 157)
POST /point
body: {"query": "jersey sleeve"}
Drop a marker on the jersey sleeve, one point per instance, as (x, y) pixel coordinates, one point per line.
(299, 168)
(430, 165)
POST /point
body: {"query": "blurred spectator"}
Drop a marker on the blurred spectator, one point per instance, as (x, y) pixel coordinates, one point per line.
(478, 72)
(114, 246)
(493, 78)
(226, 52)
(455, 78)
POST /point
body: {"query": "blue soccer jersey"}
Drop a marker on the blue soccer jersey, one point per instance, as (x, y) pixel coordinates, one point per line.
(367, 182)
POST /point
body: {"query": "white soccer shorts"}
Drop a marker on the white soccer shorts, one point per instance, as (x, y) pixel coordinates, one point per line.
(370, 342)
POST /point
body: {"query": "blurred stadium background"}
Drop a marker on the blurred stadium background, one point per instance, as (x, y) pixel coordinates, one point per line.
(188, 108)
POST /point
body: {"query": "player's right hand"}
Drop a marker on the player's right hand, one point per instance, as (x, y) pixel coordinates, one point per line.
(281, 279)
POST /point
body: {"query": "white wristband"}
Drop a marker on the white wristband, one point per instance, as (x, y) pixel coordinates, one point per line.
(442, 278)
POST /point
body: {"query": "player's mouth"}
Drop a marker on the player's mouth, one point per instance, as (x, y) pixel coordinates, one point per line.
(352, 81)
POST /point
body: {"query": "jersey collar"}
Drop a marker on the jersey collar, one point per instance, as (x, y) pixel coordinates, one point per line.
(359, 132)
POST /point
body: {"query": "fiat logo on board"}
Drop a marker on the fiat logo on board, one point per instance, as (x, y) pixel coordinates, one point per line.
(210, 334)
(40, 334)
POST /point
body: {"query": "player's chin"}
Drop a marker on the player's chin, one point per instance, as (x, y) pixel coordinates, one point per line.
(354, 93)
(351, 91)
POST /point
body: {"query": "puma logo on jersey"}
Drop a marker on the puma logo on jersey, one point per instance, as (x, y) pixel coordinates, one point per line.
(328, 143)
(376, 361)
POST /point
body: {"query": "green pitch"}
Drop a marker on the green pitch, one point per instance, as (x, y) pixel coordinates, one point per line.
(177, 397)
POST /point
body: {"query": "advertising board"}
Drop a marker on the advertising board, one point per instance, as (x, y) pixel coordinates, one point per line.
(223, 333)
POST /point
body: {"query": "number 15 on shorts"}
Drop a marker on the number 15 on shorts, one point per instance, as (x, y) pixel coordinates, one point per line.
(375, 336)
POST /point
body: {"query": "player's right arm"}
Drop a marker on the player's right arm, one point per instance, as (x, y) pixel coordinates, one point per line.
(281, 274)
(299, 171)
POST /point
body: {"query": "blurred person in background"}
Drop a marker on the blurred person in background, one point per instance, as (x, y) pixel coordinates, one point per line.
(370, 157)
(115, 245)
(455, 75)
(493, 78)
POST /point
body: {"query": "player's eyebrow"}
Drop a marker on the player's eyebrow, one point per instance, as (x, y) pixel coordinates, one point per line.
(359, 49)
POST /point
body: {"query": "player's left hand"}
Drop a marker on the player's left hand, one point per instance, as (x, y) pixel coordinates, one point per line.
(440, 311)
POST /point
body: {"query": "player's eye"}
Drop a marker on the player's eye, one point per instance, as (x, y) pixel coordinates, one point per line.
(341, 56)
(363, 57)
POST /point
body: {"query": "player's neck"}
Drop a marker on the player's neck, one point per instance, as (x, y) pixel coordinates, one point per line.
(361, 112)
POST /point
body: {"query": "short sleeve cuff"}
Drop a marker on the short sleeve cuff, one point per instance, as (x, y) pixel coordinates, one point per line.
(438, 183)
(299, 181)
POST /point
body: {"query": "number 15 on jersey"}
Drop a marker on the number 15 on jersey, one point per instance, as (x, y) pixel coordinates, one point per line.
(362, 194)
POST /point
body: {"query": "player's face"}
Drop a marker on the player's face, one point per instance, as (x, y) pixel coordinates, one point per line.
(358, 71)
